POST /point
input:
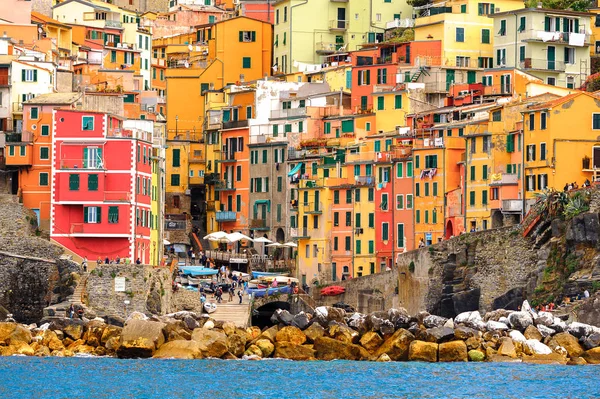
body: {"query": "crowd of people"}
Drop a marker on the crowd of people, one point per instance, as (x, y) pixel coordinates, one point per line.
(575, 186)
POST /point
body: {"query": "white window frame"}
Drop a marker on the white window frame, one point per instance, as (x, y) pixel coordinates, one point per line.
(411, 201)
(399, 203)
(29, 75)
(92, 216)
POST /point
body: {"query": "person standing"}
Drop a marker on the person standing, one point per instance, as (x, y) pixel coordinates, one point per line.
(84, 264)
(193, 258)
(240, 296)
(230, 294)
(71, 311)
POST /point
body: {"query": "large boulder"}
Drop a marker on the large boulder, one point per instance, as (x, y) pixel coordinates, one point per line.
(314, 331)
(180, 349)
(331, 349)
(236, 344)
(533, 333)
(520, 320)
(453, 351)
(94, 331)
(423, 351)
(326, 314)
(463, 332)
(282, 316)
(109, 332)
(371, 341)
(547, 358)
(397, 345)
(592, 341)
(436, 334)
(492, 325)
(269, 333)
(507, 348)
(399, 317)
(177, 330)
(140, 338)
(476, 355)
(580, 329)
(592, 356)
(379, 321)
(432, 321)
(470, 319)
(6, 329)
(214, 341)
(544, 319)
(358, 321)
(266, 347)
(290, 334)
(20, 334)
(545, 331)
(535, 347)
(344, 334)
(570, 343)
(301, 320)
(253, 351)
(291, 351)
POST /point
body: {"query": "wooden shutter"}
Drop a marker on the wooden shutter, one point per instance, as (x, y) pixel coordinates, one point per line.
(35, 75)
(85, 158)
(98, 214)
(85, 214)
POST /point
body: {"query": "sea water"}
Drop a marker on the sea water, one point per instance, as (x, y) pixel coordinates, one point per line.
(23, 377)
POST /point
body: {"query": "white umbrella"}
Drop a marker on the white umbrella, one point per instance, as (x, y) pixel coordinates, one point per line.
(216, 236)
(235, 237)
(165, 242)
(275, 244)
(262, 239)
(290, 244)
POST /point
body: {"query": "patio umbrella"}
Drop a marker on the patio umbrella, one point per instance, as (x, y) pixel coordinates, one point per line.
(274, 245)
(216, 236)
(290, 244)
(263, 240)
(235, 237)
(165, 242)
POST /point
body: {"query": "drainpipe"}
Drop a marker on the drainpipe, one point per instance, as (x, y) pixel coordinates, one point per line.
(523, 167)
(464, 205)
(291, 21)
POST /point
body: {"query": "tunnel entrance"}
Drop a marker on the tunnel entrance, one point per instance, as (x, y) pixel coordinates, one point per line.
(261, 317)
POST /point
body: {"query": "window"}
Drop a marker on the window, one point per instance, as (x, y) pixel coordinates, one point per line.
(522, 23)
(384, 202)
(427, 189)
(418, 189)
(485, 36)
(364, 78)
(175, 179)
(372, 251)
(484, 174)
(472, 198)
(399, 201)
(176, 158)
(435, 189)
(530, 152)
(113, 214)
(246, 62)
(44, 153)
(371, 220)
(530, 183)
(501, 57)
(463, 8)
(409, 169)
(494, 193)
(531, 121)
(335, 243)
(357, 222)
(73, 182)
(247, 36)
(347, 243)
(417, 216)
(336, 197)
(485, 8)
(279, 184)
(348, 218)
(569, 55)
(542, 181)
(472, 173)
(380, 103)
(431, 161)
(43, 179)
(284, 14)
(92, 182)
(502, 31)
(385, 231)
(397, 101)
(497, 116)
(92, 214)
(357, 195)
(87, 123)
(596, 121)
(551, 81)
(381, 76)
(542, 151)
(33, 113)
(348, 196)
(460, 34)
(486, 143)
(29, 75)
(371, 195)
(543, 119)
(336, 218)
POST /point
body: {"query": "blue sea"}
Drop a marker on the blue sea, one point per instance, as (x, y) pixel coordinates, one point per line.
(22, 377)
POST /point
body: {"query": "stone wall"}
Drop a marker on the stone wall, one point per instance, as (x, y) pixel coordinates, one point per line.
(148, 290)
(32, 275)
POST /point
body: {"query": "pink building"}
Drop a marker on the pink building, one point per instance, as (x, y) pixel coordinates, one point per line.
(101, 186)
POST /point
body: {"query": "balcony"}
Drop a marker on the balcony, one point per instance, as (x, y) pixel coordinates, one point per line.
(235, 124)
(224, 185)
(17, 107)
(301, 233)
(542, 65)
(338, 25)
(368, 181)
(326, 48)
(117, 196)
(226, 216)
(227, 156)
(109, 23)
(294, 205)
(259, 224)
(91, 229)
(512, 206)
(24, 137)
(534, 35)
(504, 180)
(400, 23)
(196, 156)
(315, 208)
(196, 180)
(288, 113)
(81, 163)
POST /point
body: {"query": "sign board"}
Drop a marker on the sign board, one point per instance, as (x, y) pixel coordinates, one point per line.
(119, 284)
(238, 260)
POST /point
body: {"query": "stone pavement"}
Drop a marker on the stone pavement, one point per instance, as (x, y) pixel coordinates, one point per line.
(232, 311)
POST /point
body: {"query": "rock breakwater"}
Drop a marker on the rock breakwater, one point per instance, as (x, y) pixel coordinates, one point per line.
(393, 335)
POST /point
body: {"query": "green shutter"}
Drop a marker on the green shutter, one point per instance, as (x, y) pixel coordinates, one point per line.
(22, 75)
(85, 214)
(547, 24)
(85, 158)
(253, 36)
(398, 101)
(35, 75)
(241, 36)
(92, 182)
(98, 214)
(348, 126)
(176, 158)
(380, 103)
(73, 182)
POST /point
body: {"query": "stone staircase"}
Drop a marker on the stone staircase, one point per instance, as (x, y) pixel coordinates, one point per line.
(61, 309)
(233, 311)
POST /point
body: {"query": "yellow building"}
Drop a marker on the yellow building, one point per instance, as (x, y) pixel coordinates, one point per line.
(157, 204)
(560, 142)
(464, 28)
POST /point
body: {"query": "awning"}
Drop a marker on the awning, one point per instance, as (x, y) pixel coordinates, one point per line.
(262, 202)
(295, 170)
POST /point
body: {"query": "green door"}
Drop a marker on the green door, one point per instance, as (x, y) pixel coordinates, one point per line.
(551, 58)
(471, 77)
(408, 54)
(363, 102)
(449, 78)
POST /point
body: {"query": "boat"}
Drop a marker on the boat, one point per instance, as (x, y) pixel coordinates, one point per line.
(198, 271)
(257, 274)
(194, 281)
(261, 292)
(333, 290)
(281, 280)
(210, 307)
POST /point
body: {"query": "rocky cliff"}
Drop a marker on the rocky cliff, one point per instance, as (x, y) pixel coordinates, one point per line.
(32, 274)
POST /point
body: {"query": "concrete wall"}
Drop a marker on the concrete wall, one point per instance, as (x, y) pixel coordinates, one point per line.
(147, 289)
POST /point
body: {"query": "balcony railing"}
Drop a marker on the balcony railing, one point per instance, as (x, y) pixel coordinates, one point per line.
(512, 205)
(226, 216)
(312, 207)
(288, 113)
(503, 179)
(224, 185)
(17, 107)
(23, 137)
(117, 196)
(364, 180)
(300, 232)
(259, 224)
(337, 24)
(542, 65)
(327, 47)
(113, 24)
(80, 163)
(553, 37)
(235, 124)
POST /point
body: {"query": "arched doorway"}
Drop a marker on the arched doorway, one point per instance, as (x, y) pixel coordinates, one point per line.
(280, 235)
(261, 317)
(449, 229)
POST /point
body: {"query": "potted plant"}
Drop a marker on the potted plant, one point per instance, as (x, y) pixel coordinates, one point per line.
(586, 162)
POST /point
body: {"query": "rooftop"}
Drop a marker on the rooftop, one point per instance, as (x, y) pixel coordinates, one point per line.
(55, 98)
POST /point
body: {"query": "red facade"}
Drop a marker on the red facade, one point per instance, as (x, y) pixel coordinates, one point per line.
(101, 186)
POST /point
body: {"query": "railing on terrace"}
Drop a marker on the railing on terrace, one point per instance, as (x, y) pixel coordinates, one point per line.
(504, 179)
(17, 107)
(542, 64)
(400, 23)
(338, 24)
(328, 47)
(226, 216)
(512, 205)
(224, 185)
(364, 180)
(82, 163)
(130, 134)
(312, 207)
(554, 37)
(428, 143)
(117, 196)
(23, 137)
(288, 113)
(234, 124)
(185, 135)
(113, 24)
(300, 232)
(259, 224)
(159, 62)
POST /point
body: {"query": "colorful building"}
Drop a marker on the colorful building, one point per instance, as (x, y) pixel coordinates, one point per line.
(101, 186)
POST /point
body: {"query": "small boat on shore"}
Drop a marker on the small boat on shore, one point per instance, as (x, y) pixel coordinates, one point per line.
(333, 290)
(198, 271)
(257, 274)
(194, 281)
(261, 292)
(210, 307)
